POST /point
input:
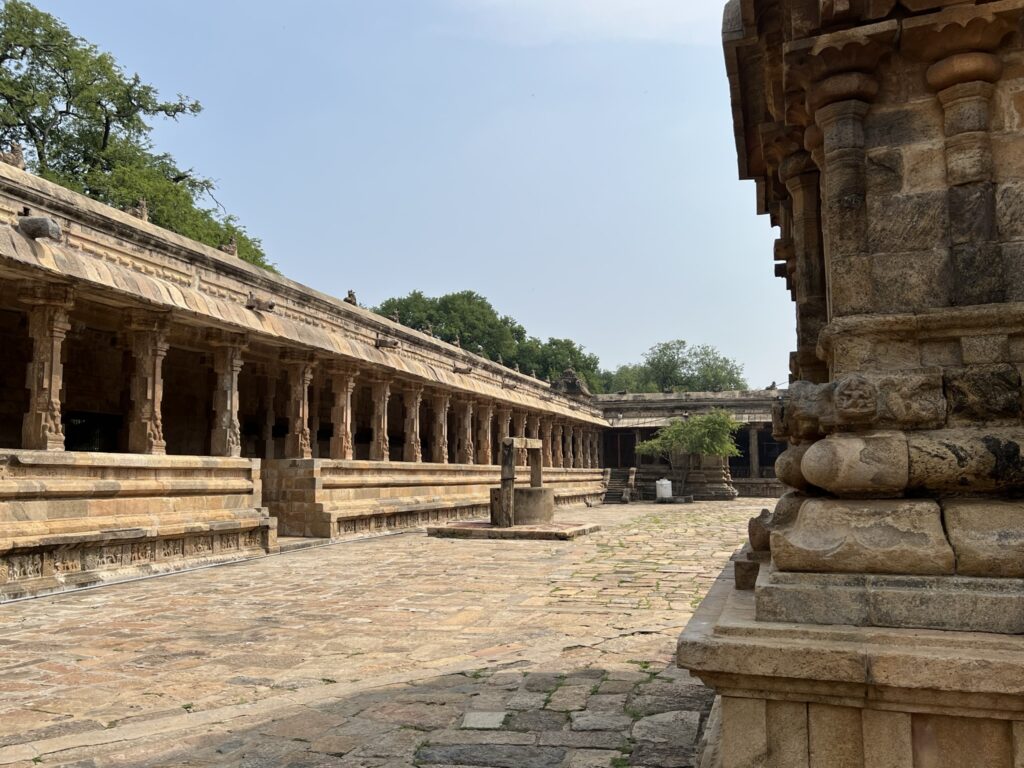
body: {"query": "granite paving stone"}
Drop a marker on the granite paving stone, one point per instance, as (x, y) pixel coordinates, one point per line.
(381, 653)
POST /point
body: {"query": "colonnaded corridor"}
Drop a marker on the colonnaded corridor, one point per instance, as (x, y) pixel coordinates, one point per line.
(393, 651)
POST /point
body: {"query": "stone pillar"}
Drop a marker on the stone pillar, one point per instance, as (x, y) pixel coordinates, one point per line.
(269, 394)
(546, 429)
(464, 444)
(485, 414)
(557, 444)
(442, 402)
(380, 445)
(299, 368)
(148, 338)
(519, 430)
(48, 325)
(343, 384)
(532, 428)
(504, 427)
(569, 456)
(577, 437)
(226, 437)
(755, 450)
(315, 391)
(413, 450)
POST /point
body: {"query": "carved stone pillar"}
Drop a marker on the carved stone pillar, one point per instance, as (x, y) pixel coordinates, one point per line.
(226, 437)
(546, 429)
(569, 459)
(485, 415)
(464, 445)
(754, 448)
(577, 437)
(519, 430)
(557, 443)
(268, 393)
(147, 335)
(533, 427)
(299, 369)
(504, 426)
(315, 391)
(380, 445)
(48, 325)
(413, 450)
(439, 449)
(343, 384)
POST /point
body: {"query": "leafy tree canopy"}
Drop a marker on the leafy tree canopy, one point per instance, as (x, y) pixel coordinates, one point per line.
(85, 124)
(470, 318)
(709, 434)
(675, 366)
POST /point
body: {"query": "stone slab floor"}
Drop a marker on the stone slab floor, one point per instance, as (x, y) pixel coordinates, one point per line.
(394, 651)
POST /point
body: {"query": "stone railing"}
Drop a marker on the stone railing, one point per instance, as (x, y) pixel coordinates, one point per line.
(69, 520)
(340, 499)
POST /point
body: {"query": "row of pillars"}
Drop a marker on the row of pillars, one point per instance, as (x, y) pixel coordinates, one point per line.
(566, 444)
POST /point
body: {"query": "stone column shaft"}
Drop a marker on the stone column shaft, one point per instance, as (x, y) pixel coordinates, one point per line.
(413, 450)
(577, 437)
(442, 403)
(504, 427)
(300, 375)
(48, 326)
(343, 384)
(546, 428)
(484, 451)
(755, 450)
(148, 338)
(380, 446)
(226, 439)
(557, 443)
(314, 414)
(569, 460)
(519, 430)
(464, 446)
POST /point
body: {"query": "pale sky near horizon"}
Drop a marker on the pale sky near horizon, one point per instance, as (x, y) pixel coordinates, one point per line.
(572, 160)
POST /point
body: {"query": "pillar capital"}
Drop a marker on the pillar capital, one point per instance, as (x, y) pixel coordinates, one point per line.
(218, 338)
(35, 293)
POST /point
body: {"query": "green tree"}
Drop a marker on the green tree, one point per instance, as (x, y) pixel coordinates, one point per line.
(708, 370)
(675, 366)
(84, 124)
(707, 434)
(473, 320)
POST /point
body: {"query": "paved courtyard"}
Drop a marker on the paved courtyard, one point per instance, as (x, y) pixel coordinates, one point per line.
(395, 651)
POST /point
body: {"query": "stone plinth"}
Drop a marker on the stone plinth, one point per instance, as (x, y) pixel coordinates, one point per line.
(534, 506)
(482, 530)
(69, 520)
(323, 498)
(828, 696)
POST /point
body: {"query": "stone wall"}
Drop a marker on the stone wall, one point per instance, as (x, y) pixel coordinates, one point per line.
(70, 520)
(341, 499)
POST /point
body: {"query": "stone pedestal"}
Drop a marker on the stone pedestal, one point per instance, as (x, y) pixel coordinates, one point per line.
(708, 479)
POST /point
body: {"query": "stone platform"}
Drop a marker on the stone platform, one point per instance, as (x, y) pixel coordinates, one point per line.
(482, 530)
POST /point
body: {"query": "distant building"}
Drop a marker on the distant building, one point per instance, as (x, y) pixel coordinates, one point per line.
(637, 417)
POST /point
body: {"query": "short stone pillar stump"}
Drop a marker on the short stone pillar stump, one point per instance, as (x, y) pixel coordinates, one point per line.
(518, 513)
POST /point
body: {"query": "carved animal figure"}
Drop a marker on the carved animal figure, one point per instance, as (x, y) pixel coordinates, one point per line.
(140, 211)
(15, 157)
(231, 246)
(351, 299)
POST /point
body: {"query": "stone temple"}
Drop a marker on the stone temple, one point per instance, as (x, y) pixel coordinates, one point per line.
(884, 629)
(164, 406)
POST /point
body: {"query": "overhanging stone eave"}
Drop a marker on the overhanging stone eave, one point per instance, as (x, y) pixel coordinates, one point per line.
(62, 202)
(108, 279)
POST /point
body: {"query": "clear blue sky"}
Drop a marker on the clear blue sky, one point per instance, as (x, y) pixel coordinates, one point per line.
(572, 160)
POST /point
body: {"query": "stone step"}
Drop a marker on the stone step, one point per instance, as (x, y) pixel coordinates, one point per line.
(292, 543)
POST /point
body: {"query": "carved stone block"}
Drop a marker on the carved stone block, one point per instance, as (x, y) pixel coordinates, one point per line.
(885, 536)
